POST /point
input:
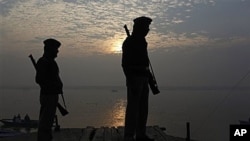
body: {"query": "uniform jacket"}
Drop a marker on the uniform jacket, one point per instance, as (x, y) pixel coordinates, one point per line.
(135, 61)
(47, 76)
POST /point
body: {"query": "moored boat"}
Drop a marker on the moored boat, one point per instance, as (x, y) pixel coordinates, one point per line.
(21, 123)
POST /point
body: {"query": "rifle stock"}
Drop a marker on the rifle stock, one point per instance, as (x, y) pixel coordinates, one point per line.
(62, 110)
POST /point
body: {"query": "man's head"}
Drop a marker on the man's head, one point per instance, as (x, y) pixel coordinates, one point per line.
(141, 26)
(51, 47)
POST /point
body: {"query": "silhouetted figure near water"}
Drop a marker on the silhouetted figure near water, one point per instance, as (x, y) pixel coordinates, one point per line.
(26, 118)
(135, 63)
(47, 77)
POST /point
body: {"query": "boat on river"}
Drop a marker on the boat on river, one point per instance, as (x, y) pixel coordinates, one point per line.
(18, 122)
(21, 123)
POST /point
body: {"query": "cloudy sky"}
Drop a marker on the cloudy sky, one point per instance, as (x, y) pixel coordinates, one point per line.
(191, 42)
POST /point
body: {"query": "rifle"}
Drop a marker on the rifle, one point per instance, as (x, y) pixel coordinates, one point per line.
(62, 110)
(151, 79)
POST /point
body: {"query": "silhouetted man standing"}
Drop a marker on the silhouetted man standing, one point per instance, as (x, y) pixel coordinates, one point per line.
(47, 77)
(135, 63)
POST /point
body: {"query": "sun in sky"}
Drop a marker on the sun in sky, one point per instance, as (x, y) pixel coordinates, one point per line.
(116, 47)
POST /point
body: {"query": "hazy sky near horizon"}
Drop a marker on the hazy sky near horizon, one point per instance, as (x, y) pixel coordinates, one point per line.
(191, 42)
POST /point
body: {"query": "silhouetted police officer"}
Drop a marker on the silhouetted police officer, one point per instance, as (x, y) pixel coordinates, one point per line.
(47, 77)
(135, 63)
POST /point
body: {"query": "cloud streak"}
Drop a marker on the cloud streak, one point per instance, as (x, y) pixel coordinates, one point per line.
(93, 26)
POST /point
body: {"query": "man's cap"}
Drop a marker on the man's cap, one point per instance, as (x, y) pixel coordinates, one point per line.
(51, 43)
(142, 21)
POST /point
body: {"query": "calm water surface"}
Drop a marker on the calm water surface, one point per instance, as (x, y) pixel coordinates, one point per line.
(210, 112)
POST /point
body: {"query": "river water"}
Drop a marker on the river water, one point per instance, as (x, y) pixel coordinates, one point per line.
(210, 112)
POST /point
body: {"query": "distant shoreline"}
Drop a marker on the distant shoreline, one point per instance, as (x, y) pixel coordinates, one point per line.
(193, 88)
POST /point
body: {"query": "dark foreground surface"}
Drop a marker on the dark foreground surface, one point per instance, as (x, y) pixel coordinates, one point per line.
(96, 134)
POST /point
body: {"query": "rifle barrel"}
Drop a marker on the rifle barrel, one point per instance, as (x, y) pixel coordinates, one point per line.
(33, 60)
(126, 29)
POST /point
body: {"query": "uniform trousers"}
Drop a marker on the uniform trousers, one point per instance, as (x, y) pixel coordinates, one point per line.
(137, 106)
(46, 117)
